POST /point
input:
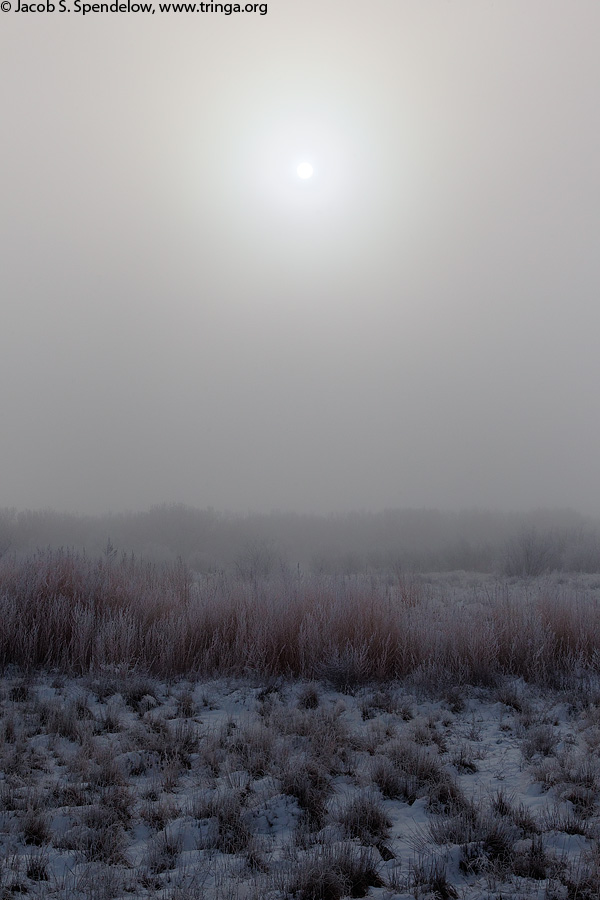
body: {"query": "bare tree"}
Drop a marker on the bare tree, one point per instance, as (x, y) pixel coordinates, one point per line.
(532, 553)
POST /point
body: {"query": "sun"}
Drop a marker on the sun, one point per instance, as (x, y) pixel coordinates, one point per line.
(304, 170)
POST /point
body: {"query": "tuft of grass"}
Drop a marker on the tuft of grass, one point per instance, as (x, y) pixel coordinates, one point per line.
(138, 689)
(36, 866)
(333, 872)
(583, 800)
(186, 705)
(446, 796)
(228, 830)
(498, 840)
(106, 843)
(63, 719)
(35, 826)
(158, 813)
(21, 691)
(566, 820)
(393, 782)
(309, 697)
(118, 801)
(540, 740)
(109, 719)
(365, 819)
(463, 759)
(309, 783)
(105, 770)
(419, 762)
(163, 852)
(254, 745)
(501, 804)
(431, 878)
(532, 863)
(582, 881)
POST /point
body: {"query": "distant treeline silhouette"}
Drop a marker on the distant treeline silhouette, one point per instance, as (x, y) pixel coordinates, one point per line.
(257, 546)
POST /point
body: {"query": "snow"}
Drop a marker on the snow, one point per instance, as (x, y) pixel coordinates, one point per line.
(244, 739)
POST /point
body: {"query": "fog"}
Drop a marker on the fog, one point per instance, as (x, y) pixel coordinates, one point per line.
(183, 320)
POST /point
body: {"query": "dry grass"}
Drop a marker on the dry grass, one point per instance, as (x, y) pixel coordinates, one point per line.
(333, 872)
(310, 784)
(365, 819)
(78, 615)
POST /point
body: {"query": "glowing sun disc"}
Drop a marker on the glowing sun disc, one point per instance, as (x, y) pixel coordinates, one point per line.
(304, 170)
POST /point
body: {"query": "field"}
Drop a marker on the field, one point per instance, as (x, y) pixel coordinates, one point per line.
(169, 734)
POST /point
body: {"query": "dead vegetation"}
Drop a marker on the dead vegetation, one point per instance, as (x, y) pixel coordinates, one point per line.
(68, 612)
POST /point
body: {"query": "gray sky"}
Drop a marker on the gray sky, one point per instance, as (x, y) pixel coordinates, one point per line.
(184, 319)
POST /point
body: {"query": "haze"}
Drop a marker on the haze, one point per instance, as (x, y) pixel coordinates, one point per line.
(184, 320)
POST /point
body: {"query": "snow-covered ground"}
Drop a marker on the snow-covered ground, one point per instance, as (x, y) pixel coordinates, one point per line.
(117, 786)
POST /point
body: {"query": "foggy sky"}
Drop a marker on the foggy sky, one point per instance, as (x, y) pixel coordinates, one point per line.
(183, 320)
